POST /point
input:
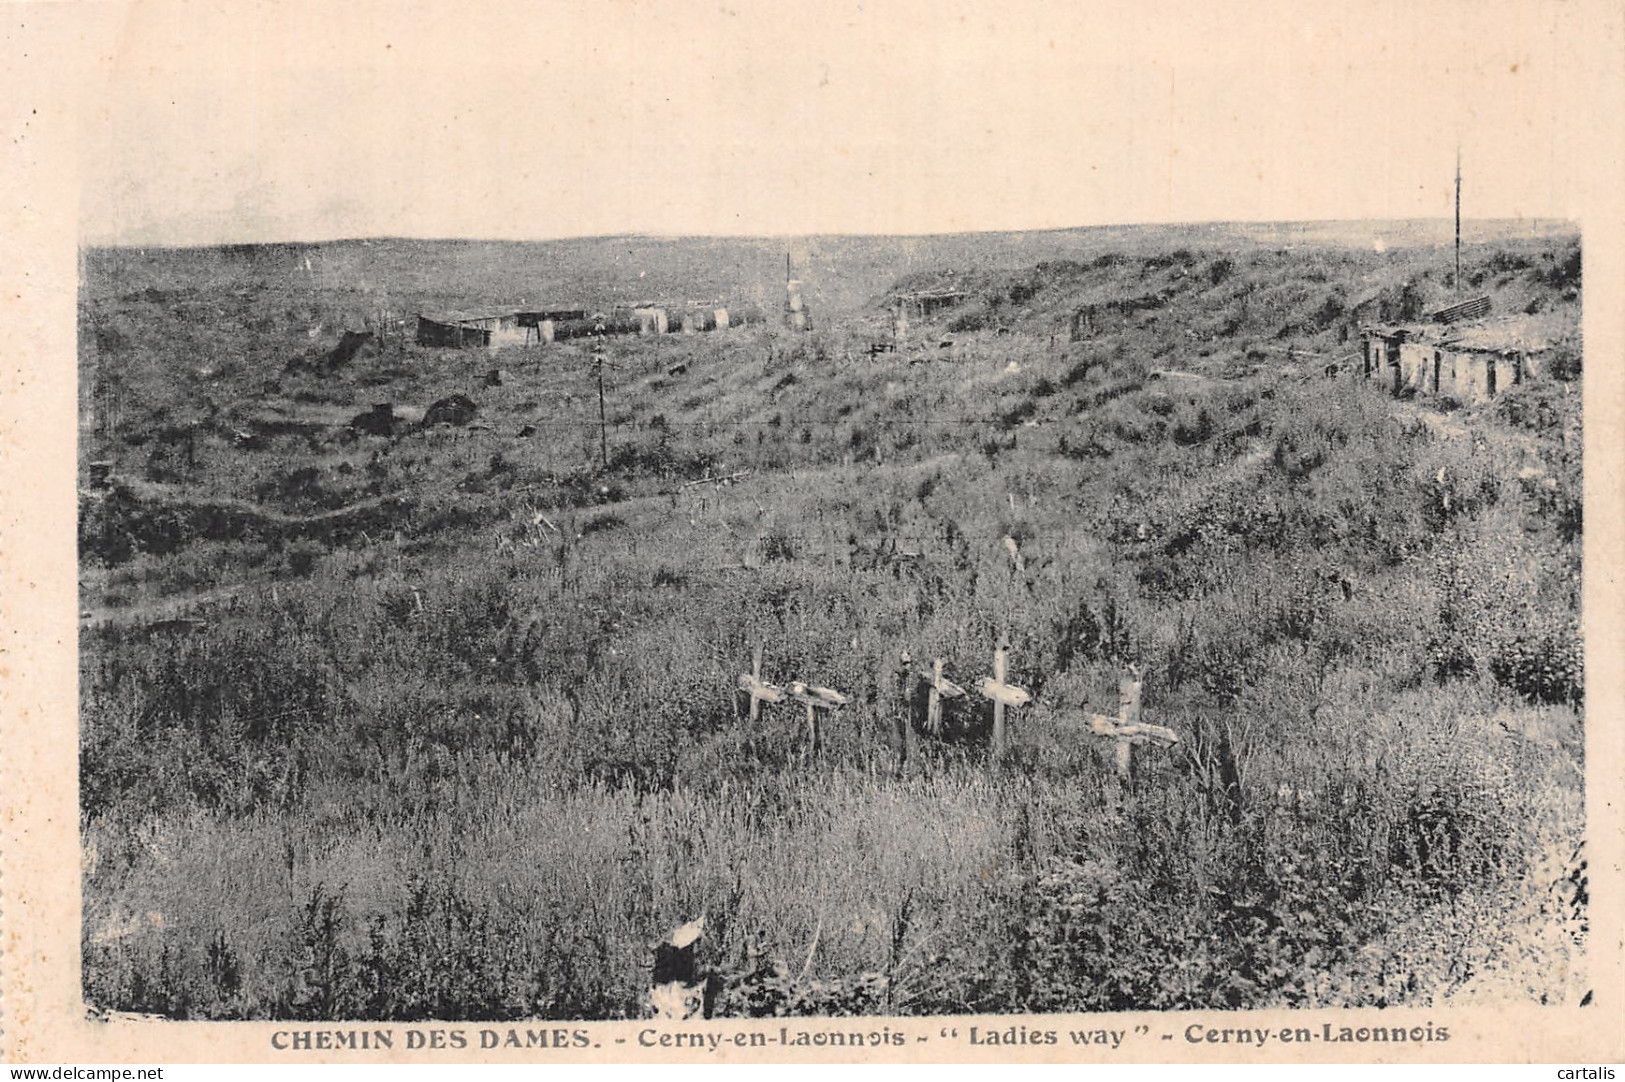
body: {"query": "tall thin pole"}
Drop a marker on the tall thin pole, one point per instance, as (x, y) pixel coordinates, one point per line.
(603, 425)
(1458, 218)
(756, 675)
(999, 672)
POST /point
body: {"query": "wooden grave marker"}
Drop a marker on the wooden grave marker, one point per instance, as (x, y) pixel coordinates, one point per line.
(816, 699)
(1126, 729)
(751, 684)
(937, 689)
(1002, 693)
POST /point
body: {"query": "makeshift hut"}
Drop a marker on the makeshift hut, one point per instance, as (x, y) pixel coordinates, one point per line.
(1472, 361)
(460, 329)
(541, 325)
(651, 320)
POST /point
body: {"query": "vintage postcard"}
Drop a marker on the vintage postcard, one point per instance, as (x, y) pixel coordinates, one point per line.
(845, 532)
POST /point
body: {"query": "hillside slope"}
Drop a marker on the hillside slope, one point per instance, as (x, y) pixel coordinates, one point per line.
(493, 718)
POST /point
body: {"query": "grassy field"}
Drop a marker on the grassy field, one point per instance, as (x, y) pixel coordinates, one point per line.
(442, 724)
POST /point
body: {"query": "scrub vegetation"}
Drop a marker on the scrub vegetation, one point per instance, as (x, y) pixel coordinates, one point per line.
(441, 723)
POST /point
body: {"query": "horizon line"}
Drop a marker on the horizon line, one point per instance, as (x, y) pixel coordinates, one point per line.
(675, 236)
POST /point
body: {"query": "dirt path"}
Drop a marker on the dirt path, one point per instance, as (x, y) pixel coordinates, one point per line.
(172, 495)
(230, 514)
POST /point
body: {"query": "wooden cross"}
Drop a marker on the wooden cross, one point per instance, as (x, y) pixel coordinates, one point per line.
(1003, 694)
(1126, 729)
(937, 689)
(751, 684)
(816, 699)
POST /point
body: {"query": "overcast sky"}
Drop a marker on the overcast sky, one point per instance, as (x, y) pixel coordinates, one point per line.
(244, 122)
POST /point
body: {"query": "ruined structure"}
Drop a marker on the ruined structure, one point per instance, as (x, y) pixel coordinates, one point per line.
(470, 329)
(1113, 316)
(492, 329)
(1469, 358)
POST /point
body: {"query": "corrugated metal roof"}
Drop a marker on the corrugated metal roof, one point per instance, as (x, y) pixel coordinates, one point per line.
(1455, 313)
(475, 316)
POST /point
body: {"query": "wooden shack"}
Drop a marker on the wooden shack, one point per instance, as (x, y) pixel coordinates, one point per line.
(444, 330)
(1382, 353)
(541, 324)
(1472, 361)
(462, 329)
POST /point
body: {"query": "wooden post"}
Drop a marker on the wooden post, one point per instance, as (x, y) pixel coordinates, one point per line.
(905, 716)
(756, 678)
(1456, 282)
(1128, 713)
(603, 426)
(937, 688)
(933, 708)
(998, 705)
(758, 691)
(1003, 694)
(812, 729)
(1124, 753)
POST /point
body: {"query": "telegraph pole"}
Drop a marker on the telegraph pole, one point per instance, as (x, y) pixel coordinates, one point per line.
(1458, 218)
(603, 424)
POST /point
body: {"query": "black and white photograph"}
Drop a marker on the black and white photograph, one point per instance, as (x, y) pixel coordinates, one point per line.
(834, 514)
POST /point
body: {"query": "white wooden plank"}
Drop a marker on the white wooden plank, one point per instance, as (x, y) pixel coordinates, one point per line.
(1001, 693)
(757, 689)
